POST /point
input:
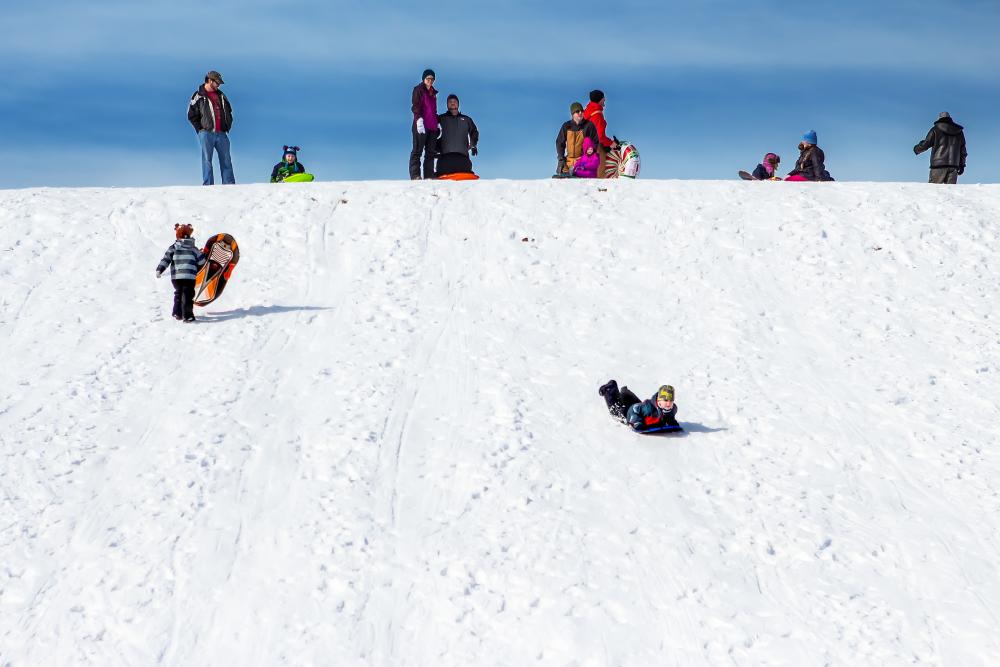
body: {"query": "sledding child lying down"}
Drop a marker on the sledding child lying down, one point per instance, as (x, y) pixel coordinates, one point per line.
(653, 413)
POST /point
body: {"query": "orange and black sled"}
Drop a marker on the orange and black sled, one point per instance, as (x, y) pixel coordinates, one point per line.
(223, 254)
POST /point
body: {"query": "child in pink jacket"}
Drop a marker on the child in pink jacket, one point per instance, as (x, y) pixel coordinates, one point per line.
(589, 162)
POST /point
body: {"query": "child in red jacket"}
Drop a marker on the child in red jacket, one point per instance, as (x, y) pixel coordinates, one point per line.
(595, 114)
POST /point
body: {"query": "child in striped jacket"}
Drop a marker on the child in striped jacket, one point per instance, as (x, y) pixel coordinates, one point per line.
(184, 260)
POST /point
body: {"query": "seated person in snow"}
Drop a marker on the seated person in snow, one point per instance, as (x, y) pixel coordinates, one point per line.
(653, 413)
(811, 165)
(589, 162)
(569, 141)
(289, 165)
(459, 137)
(768, 169)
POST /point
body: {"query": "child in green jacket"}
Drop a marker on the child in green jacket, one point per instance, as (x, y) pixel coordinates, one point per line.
(289, 165)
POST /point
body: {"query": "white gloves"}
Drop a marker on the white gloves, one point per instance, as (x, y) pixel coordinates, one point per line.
(420, 126)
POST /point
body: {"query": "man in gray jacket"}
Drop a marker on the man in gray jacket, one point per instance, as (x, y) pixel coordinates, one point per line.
(459, 137)
(947, 138)
(211, 115)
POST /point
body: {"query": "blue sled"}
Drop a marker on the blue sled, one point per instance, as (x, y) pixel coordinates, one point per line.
(663, 429)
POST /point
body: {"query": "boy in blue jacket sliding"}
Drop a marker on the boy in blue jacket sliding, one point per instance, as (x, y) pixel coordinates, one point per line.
(184, 260)
(653, 413)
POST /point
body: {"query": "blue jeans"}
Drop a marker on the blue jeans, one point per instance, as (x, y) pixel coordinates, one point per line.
(215, 141)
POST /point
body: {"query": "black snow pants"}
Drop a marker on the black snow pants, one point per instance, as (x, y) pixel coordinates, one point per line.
(618, 400)
(453, 163)
(425, 143)
(183, 299)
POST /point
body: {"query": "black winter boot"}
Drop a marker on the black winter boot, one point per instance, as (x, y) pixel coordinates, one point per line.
(610, 384)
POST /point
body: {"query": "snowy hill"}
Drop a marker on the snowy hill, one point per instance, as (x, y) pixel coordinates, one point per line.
(384, 445)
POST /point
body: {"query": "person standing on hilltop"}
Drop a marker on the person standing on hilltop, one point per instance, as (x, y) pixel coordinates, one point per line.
(595, 114)
(947, 138)
(211, 115)
(425, 126)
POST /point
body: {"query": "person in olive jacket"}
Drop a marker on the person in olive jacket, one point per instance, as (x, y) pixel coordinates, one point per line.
(569, 141)
(947, 138)
(211, 115)
(811, 165)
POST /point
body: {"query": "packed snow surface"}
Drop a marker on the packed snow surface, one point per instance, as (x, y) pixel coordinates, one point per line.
(383, 445)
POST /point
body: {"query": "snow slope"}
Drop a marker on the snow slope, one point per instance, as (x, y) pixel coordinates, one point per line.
(384, 445)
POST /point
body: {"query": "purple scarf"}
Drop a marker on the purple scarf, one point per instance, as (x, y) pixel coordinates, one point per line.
(769, 164)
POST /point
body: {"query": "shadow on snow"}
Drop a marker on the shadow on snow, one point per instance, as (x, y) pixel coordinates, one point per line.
(256, 311)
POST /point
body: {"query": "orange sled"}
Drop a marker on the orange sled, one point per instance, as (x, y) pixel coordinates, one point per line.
(461, 176)
(222, 253)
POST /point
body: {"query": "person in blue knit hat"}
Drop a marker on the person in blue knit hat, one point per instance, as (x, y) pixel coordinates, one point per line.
(289, 165)
(811, 165)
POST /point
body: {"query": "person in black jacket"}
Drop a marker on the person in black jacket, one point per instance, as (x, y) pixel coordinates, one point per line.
(947, 138)
(211, 115)
(459, 137)
(811, 165)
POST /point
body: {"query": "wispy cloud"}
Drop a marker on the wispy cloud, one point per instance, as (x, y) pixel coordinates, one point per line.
(668, 36)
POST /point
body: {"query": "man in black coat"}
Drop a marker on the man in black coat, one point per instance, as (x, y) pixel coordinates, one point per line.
(948, 157)
(459, 136)
(211, 116)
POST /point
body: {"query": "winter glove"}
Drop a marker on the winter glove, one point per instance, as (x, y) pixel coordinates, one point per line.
(475, 151)
(961, 170)
(420, 126)
(916, 149)
(159, 274)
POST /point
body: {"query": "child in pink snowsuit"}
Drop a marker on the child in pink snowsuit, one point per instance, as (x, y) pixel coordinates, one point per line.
(589, 162)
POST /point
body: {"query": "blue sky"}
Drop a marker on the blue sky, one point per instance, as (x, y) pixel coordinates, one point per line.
(96, 93)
